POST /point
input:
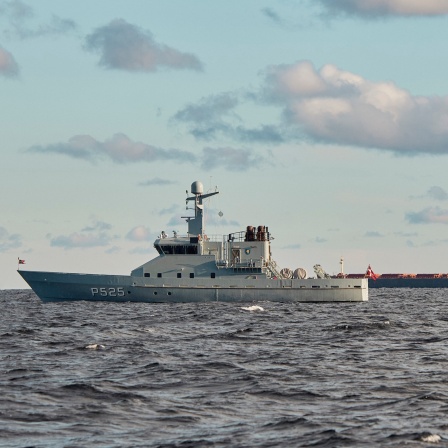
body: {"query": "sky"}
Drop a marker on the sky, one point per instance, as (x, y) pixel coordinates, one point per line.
(325, 120)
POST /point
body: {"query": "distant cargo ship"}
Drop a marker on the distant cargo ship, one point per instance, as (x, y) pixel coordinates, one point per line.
(399, 280)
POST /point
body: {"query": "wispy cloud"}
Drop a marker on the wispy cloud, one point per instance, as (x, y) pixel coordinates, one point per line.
(429, 215)
(157, 181)
(9, 241)
(80, 240)
(176, 221)
(139, 233)
(215, 116)
(19, 16)
(8, 65)
(373, 234)
(273, 15)
(97, 226)
(370, 9)
(93, 235)
(120, 149)
(335, 106)
(406, 234)
(319, 240)
(435, 243)
(213, 218)
(170, 210)
(437, 193)
(206, 118)
(292, 247)
(230, 159)
(124, 46)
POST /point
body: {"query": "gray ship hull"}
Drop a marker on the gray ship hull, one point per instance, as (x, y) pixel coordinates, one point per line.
(59, 287)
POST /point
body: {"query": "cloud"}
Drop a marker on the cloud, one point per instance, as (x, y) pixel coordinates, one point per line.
(18, 14)
(214, 116)
(383, 8)
(124, 46)
(80, 240)
(292, 247)
(229, 158)
(94, 235)
(437, 193)
(176, 221)
(213, 218)
(319, 240)
(406, 234)
(139, 233)
(140, 250)
(9, 241)
(272, 15)
(206, 118)
(170, 210)
(8, 65)
(373, 234)
(98, 225)
(156, 182)
(338, 107)
(113, 250)
(434, 243)
(429, 215)
(120, 149)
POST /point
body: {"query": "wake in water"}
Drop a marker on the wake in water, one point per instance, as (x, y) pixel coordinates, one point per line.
(252, 308)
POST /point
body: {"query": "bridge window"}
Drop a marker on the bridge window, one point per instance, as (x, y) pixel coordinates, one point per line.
(165, 249)
(179, 275)
(191, 274)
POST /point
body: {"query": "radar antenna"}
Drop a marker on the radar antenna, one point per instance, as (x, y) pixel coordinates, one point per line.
(319, 271)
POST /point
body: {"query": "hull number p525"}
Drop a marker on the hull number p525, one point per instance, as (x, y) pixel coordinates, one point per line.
(108, 292)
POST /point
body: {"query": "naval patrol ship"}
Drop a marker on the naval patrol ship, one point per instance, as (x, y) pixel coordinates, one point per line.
(196, 267)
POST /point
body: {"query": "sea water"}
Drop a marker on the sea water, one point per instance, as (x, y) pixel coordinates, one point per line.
(225, 374)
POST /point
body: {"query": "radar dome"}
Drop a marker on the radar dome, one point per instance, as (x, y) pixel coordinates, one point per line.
(286, 273)
(197, 187)
(300, 273)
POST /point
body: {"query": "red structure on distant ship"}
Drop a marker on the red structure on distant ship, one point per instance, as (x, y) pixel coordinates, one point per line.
(400, 280)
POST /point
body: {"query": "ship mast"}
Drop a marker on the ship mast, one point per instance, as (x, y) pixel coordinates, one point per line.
(196, 224)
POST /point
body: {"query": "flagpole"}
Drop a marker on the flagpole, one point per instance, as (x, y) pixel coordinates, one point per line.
(19, 262)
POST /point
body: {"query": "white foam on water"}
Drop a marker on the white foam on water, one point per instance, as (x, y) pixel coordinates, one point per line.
(252, 308)
(95, 347)
(431, 438)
